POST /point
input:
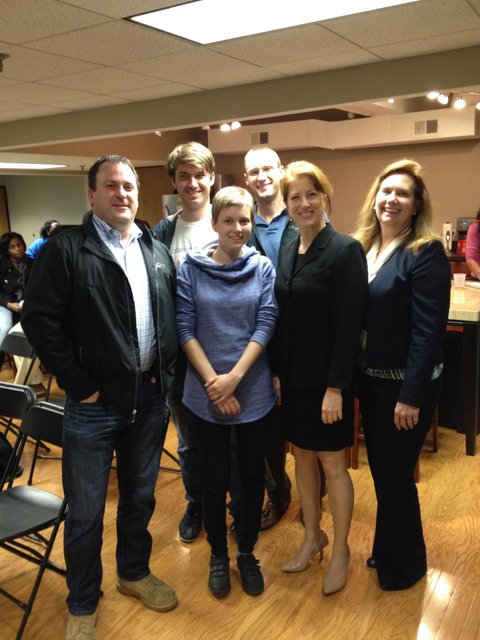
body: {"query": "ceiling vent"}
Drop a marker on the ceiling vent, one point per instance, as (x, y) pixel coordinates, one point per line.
(425, 127)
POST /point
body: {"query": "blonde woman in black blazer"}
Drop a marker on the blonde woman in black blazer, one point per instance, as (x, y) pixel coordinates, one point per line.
(321, 290)
(401, 365)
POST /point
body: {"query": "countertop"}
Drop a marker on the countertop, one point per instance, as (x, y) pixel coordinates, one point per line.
(465, 303)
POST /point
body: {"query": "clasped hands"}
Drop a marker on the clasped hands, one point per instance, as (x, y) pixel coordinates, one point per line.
(220, 391)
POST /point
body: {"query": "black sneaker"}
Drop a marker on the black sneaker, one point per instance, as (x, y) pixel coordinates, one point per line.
(191, 523)
(219, 578)
(252, 579)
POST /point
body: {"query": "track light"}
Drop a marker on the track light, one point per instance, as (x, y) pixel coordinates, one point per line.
(433, 95)
(443, 98)
(459, 102)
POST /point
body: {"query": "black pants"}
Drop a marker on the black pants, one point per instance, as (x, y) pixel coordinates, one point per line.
(399, 547)
(215, 443)
(277, 482)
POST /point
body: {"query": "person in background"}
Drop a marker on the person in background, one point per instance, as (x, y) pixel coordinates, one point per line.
(100, 313)
(226, 313)
(191, 168)
(472, 254)
(45, 231)
(272, 227)
(401, 362)
(321, 290)
(15, 268)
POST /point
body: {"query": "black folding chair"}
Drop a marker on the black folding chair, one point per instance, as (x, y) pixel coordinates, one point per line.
(15, 400)
(27, 513)
(16, 344)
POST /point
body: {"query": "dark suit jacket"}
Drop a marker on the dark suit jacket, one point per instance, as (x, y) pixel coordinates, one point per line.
(321, 308)
(407, 316)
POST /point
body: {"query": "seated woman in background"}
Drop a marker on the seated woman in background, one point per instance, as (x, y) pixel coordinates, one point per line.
(226, 313)
(15, 267)
(45, 231)
(472, 254)
(321, 291)
(401, 364)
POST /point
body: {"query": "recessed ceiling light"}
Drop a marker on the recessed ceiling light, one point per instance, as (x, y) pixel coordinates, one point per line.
(207, 21)
(30, 165)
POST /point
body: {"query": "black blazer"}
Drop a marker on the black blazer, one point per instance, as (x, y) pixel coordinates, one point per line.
(407, 316)
(321, 306)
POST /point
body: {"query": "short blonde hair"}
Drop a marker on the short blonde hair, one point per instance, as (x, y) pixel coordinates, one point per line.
(231, 197)
(303, 168)
(422, 232)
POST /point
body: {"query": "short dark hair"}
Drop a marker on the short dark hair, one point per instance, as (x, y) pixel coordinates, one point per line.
(47, 227)
(92, 172)
(6, 239)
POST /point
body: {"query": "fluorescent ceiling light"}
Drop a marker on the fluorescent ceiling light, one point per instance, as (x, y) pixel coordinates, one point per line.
(29, 165)
(207, 21)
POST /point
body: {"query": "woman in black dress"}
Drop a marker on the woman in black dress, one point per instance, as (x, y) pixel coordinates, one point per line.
(321, 290)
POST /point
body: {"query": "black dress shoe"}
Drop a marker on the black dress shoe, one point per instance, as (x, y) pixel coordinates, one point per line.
(272, 514)
(371, 563)
(191, 523)
(219, 578)
(252, 579)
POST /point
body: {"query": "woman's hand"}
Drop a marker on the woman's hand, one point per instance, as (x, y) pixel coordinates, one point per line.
(278, 390)
(221, 387)
(229, 407)
(14, 306)
(405, 416)
(332, 405)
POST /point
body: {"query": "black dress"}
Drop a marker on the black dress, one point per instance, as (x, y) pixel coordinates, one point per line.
(321, 296)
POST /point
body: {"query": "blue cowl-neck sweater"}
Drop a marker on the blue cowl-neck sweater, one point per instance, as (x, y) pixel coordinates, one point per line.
(225, 307)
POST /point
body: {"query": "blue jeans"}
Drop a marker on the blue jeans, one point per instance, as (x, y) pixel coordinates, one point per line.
(92, 433)
(188, 453)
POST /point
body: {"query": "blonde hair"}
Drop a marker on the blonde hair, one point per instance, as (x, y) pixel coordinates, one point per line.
(421, 232)
(192, 153)
(303, 168)
(231, 197)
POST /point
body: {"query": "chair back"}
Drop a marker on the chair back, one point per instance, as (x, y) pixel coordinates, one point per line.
(15, 400)
(44, 421)
(16, 344)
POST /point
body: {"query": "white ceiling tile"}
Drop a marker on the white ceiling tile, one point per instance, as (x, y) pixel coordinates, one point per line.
(103, 80)
(111, 43)
(427, 45)
(24, 20)
(321, 63)
(273, 49)
(418, 20)
(200, 67)
(28, 64)
(40, 94)
(91, 102)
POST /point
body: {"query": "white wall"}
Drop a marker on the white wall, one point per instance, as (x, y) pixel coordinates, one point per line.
(34, 199)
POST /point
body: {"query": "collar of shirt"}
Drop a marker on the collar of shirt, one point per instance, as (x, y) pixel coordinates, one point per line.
(112, 236)
(261, 222)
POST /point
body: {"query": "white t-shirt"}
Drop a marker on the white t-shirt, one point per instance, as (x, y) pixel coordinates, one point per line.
(190, 236)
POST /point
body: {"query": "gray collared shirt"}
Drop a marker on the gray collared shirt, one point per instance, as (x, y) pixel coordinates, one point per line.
(129, 256)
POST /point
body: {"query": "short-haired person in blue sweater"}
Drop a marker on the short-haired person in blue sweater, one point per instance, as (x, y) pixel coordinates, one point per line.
(226, 314)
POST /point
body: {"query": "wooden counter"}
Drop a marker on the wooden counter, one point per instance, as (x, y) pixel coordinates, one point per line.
(465, 303)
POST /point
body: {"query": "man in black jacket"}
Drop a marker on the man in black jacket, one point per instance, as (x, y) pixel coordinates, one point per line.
(100, 314)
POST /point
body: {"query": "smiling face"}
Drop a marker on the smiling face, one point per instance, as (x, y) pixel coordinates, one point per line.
(234, 228)
(16, 249)
(115, 197)
(395, 203)
(306, 204)
(193, 185)
(263, 173)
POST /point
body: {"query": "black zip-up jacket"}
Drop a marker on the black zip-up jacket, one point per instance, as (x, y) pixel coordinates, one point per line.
(10, 282)
(79, 316)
